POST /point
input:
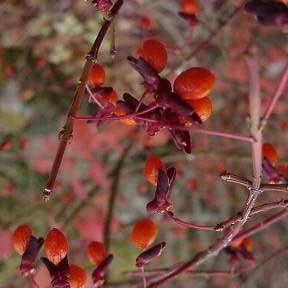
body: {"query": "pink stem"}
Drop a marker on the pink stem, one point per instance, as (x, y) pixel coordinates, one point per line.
(279, 91)
(188, 224)
(213, 133)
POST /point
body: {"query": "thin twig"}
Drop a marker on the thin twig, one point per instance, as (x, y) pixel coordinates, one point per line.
(113, 195)
(279, 91)
(262, 226)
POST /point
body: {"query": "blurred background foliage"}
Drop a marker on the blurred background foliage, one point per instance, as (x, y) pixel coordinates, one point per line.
(42, 50)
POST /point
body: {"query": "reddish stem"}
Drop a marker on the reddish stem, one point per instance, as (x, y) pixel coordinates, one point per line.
(66, 134)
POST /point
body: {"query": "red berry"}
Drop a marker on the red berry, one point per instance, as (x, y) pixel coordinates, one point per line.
(145, 23)
(55, 246)
(144, 233)
(111, 97)
(270, 153)
(20, 238)
(194, 83)
(152, 166)
(96, 252)
(78, 276)
(248, 244)
(154, 53)
(120, 112)
(202, 107)
(189, 7)
(96, 75)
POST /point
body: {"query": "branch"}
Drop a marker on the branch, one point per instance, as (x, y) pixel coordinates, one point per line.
(262, 226)
(254, 97)
(279, 91)
(256, 210)
(66, 133)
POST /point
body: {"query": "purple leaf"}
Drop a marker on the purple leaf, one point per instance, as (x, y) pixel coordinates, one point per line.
(182, 140)
(99, 273)
(150, 76)
(59, 273)
(161, 201)
(268, 12)
(147, 256)
(270, 172)
(29, 257)
(192, 20)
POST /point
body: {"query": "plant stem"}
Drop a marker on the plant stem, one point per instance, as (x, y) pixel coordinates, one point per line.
(279, 91)
(219, 245)
(67, 131)
(113, 195)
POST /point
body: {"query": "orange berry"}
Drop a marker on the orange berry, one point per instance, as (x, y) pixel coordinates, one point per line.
(20, 238)
(111, 97)
(6, 146)
(270, 153)
(56, 246)
(78, 276)
(145, 23)
(154, 53)
(194, 83)
(144, 233)
(202, 107)
(189, 7)
(248, 244)
(96, 252)
(120, 112)
(96, 75)
(152, 166)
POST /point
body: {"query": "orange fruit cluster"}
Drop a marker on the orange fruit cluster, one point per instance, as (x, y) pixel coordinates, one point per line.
(193, 86)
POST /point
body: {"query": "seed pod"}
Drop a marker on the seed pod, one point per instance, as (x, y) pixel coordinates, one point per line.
(144, 233)
(96, 252)
(78, 276)
(56, 246)
(99, 273)
(194, 83)
(161, 201)
(96, 75)
(152, 167)
(20, 238)
(147, 256)
(154, 53)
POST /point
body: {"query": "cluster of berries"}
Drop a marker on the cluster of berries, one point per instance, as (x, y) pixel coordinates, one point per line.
(174, 108)
(56, 248)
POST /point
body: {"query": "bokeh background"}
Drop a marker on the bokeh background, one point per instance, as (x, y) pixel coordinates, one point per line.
(42, 50)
